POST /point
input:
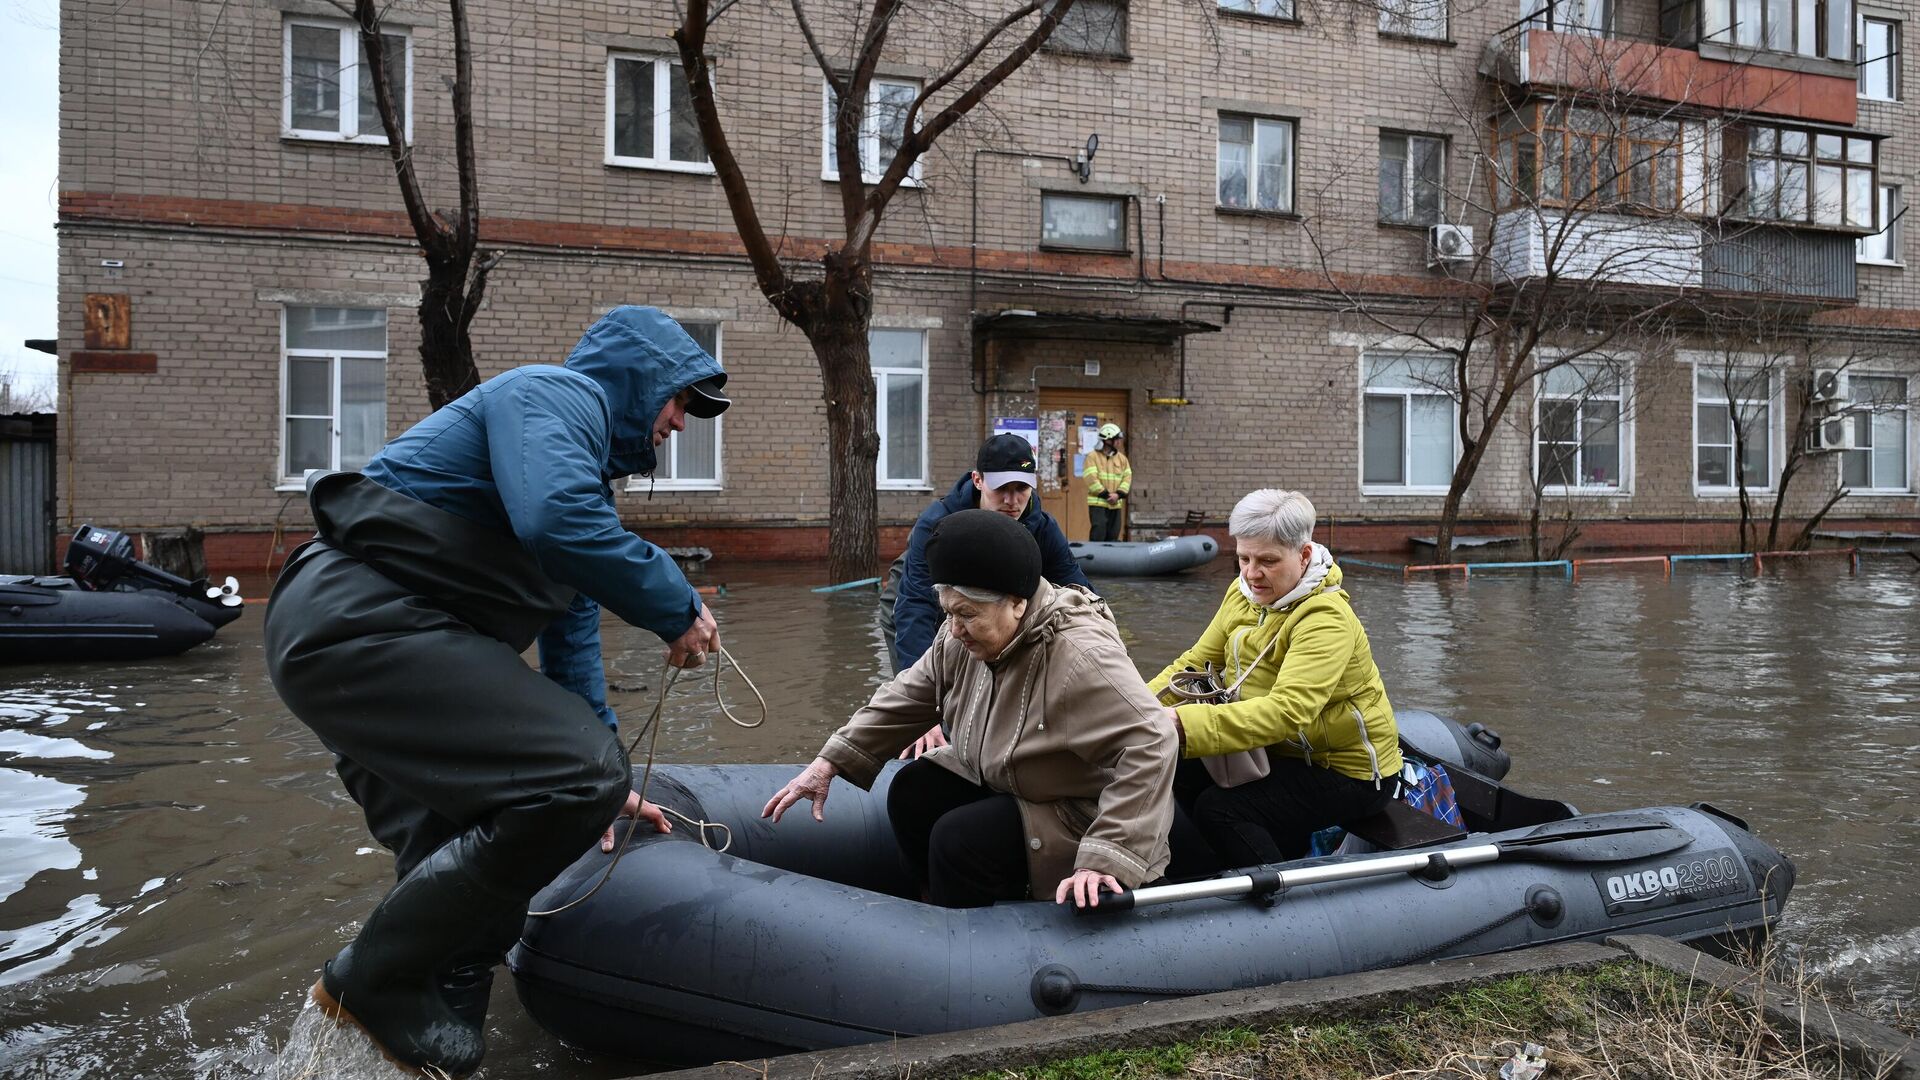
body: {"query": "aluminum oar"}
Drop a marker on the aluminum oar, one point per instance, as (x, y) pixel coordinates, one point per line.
(1560, 841)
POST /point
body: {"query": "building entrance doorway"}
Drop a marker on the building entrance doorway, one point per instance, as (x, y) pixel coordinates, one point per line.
(1081, 412)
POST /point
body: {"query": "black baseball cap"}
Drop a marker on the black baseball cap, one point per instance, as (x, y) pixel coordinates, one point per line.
(1005, 459)
(707, 399)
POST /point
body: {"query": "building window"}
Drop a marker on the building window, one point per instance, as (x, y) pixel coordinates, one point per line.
(1722, 400)
(899, 359)
(1579, 444)
(1569, 16)
(328, 87)
(1811, 177)
(1568, 156)
(883, 127)
(1092, 27)
(1879, 59)
(1406, 424)
(333, 388)
(1822, 28)
(1256, 164)
(1884, 246)
(1088, 222)
(1878, 461)
(650, 121)
(1414, 18)
(1272, 9)
(1413, 170)
(691, 458)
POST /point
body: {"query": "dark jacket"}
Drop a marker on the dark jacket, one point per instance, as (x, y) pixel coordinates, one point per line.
(916, 613)
(533, 453)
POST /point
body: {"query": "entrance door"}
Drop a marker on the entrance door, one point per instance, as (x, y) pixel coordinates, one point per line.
(1084, 411)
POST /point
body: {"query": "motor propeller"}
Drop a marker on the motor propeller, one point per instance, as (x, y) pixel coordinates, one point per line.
(227, 594)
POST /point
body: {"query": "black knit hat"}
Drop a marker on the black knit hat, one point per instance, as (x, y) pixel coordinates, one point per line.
(984, 550)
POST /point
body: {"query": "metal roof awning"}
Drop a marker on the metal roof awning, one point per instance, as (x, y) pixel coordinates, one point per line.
(1023, 324)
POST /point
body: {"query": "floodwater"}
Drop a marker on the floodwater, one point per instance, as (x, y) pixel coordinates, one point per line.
(176, 857)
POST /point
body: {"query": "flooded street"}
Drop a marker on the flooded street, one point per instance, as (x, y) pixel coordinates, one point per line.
(177, 858)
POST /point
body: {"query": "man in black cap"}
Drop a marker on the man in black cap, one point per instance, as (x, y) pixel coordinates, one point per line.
(1002, 480)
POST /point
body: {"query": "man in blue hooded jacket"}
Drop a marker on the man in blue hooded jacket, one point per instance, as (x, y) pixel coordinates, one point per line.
(1002, 481)
(396, 636)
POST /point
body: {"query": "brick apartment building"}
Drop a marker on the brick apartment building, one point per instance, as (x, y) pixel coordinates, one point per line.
(1254, 238)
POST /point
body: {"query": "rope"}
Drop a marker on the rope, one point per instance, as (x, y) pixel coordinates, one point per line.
(1428, 954)
(650, 730)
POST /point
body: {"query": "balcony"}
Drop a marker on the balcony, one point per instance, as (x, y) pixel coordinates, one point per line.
(1573, 61)
(1728, 260)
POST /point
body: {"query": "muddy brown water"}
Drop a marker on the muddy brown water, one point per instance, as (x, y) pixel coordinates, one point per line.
(177, 858)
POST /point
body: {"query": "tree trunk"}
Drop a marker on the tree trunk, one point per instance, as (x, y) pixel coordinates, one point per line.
(446, 349)
(853, 447)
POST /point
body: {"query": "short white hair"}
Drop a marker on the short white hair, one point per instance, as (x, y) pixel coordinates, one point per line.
(1283, 517)
(977, 595)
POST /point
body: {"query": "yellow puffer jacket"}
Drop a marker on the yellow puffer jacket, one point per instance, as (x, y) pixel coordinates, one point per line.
(1315, 695)
(1104, 473)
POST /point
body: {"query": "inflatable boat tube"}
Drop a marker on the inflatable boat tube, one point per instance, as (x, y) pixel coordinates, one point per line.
(1127, 558)
(797, 938)
(52, 618)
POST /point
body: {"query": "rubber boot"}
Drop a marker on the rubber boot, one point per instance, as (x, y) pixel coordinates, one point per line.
(468, 982)
(387, 982)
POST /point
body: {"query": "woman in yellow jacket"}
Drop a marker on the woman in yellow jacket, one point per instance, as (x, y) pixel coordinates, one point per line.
(1297, 733)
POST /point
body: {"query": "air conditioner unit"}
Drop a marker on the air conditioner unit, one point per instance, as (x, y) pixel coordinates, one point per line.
(1449, 244)
(1827, 385)
(1832, 434)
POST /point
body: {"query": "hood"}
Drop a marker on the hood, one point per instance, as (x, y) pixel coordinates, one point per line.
(1322, 575)
(1053, 610)
(965, 496)
(640, 358)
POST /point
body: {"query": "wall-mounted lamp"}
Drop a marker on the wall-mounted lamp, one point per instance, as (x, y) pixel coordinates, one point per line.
(1083, 159)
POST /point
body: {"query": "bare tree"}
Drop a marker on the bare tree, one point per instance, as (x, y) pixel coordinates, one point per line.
(20, 394)
(831, 302)
(457, 267)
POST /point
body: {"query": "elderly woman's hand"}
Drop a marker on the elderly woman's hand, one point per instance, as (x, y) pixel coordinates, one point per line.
(932, 739)
(1084, 887)
(812, 783)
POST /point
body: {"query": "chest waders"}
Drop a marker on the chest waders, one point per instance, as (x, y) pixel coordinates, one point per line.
(396, 636)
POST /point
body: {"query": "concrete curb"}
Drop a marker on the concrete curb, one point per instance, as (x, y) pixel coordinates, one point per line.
(1879, 1049)
(961, 1053)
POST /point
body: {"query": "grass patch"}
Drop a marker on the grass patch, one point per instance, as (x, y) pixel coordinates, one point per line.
(1620, 1021)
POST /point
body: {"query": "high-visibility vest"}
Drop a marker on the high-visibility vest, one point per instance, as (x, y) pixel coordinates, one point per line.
(1104, 473)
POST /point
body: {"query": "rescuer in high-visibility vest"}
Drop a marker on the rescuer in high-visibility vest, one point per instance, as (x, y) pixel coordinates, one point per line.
(1109, 475)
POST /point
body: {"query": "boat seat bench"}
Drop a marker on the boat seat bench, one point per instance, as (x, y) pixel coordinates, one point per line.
(1401, 826)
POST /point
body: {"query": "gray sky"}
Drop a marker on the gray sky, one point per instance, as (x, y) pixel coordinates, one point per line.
(29, 166)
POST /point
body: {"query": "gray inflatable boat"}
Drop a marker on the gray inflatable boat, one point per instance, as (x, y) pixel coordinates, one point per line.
(1129, 558)
(798, 938)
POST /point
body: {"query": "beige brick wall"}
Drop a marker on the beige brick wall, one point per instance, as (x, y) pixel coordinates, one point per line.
(181, 101)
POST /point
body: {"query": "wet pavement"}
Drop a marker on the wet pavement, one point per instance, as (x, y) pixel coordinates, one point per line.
(176, 857)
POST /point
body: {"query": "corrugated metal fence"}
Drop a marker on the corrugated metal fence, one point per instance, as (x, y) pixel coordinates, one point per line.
(26, 495)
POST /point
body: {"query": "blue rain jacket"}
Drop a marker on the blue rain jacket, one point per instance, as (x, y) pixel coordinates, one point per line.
(916, 610)
(534, 452)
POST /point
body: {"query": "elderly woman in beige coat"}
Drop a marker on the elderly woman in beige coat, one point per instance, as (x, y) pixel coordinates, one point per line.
(1058, 777)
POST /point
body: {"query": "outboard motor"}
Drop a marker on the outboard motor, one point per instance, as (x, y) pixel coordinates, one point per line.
(101, 560)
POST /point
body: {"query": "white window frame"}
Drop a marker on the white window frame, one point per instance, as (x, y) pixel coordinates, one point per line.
(1407, 177)
(1623, 393)
(1252, 8)
(1569, 16)
(1253, 163)
(1895, 32)
(882, 421)
(1906, 410)
(349, 85)
(664, 69)
(671, 448)
(291, 481)
(870, 166)
(1776, 425)
(1890, 196)
(1406, 416)
(1397, 20)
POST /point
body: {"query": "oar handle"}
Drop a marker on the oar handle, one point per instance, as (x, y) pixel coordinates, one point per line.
(1270, 882)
